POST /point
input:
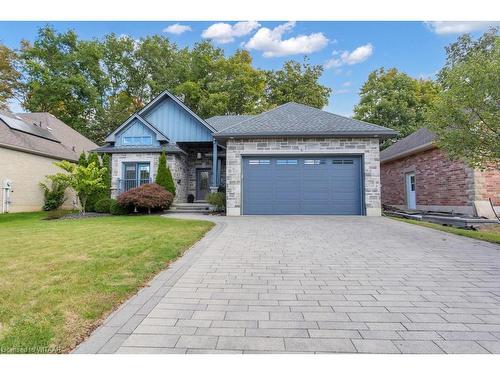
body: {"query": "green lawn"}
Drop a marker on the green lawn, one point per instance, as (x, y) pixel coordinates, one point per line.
(60, 278)
(488, 233)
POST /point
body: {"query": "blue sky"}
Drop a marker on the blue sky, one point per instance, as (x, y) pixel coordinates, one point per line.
(348, 50)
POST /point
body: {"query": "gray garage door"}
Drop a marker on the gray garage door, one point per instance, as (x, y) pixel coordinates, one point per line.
(302, 185)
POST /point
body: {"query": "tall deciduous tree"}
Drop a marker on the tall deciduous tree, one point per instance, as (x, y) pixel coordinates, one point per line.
(466, 114)
(297, 82)
(9, 76)
(394, 99)
(94, 85)
(62, 76)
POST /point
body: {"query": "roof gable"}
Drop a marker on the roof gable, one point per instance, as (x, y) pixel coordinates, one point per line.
(170, 119)
(293, 119)
(175, 121)
(168, 94)
(135, 117)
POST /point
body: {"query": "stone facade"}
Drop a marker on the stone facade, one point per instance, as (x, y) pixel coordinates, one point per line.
(176, 162)
(441, 184)
(367, 147)
(204, 162)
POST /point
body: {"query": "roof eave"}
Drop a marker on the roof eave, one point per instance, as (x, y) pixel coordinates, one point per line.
(377, 134)
(157, 150)
(414, 150)
(36, 152)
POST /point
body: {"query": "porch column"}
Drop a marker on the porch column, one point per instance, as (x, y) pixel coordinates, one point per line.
(214, 186)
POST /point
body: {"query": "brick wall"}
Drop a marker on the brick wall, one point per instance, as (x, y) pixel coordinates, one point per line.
(368, 147)
(439, 181)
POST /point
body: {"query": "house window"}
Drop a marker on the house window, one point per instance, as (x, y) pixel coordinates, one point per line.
(134, 175)
(259, 162)
(138, 141)
(287, 162)
(314, 161)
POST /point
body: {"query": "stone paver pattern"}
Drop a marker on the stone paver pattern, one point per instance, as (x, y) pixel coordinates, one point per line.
(319, 284)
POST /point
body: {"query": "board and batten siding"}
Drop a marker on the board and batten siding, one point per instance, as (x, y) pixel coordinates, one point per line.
(176, 123)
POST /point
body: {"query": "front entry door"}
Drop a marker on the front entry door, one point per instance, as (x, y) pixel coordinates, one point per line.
(411, 196)
(203, 178)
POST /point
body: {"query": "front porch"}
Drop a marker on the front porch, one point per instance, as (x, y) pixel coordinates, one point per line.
(197, 168)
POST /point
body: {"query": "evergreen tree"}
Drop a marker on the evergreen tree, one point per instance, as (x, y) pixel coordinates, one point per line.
(82, 160)
(106, 163)
(94, 158)
(164, 176)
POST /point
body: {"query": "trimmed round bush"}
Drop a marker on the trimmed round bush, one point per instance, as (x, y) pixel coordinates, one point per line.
(103, 205)
(116, 208)
(148, 197)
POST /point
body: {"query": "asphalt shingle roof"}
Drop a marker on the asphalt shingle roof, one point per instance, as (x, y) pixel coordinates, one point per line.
(415, 140)
(293, 119)
(67, 143)
(220, 123)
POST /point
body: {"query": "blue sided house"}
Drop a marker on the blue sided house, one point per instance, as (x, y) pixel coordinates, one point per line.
(290, 160)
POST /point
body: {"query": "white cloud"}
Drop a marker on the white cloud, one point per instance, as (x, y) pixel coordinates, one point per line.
(347, 84)
(357, 56)
(270, 41)
(225, 33)
(177, 29)
(459, 27)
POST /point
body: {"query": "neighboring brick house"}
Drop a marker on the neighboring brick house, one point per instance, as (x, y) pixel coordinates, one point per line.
(292, 159)
(30, 143)
(415, 174)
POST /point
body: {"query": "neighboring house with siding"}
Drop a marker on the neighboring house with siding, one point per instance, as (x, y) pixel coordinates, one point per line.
(292, 159)
(416, 174)
(30, 143)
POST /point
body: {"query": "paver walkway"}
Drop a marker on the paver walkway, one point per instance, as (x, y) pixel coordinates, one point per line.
(316, 284)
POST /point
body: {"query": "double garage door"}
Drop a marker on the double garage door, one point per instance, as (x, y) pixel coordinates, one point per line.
(302, 185)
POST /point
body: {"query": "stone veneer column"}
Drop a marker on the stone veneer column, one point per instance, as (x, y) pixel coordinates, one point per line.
(367, 147)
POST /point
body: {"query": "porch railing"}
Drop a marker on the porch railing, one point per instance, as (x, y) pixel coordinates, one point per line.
(127, 184)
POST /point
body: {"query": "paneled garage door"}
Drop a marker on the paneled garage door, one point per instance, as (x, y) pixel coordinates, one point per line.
(302, 185)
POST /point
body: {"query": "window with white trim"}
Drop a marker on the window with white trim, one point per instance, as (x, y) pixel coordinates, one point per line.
(287, 162)
(138, 141)
(314, 161)
(259, 162)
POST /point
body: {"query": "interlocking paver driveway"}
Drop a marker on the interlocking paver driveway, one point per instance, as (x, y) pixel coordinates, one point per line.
(316, 284)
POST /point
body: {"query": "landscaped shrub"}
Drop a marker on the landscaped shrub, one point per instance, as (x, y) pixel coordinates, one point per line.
(163, 175)
(149, 197)
(53, 196)
(103, 205)
(116, 208)
(218, 200)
